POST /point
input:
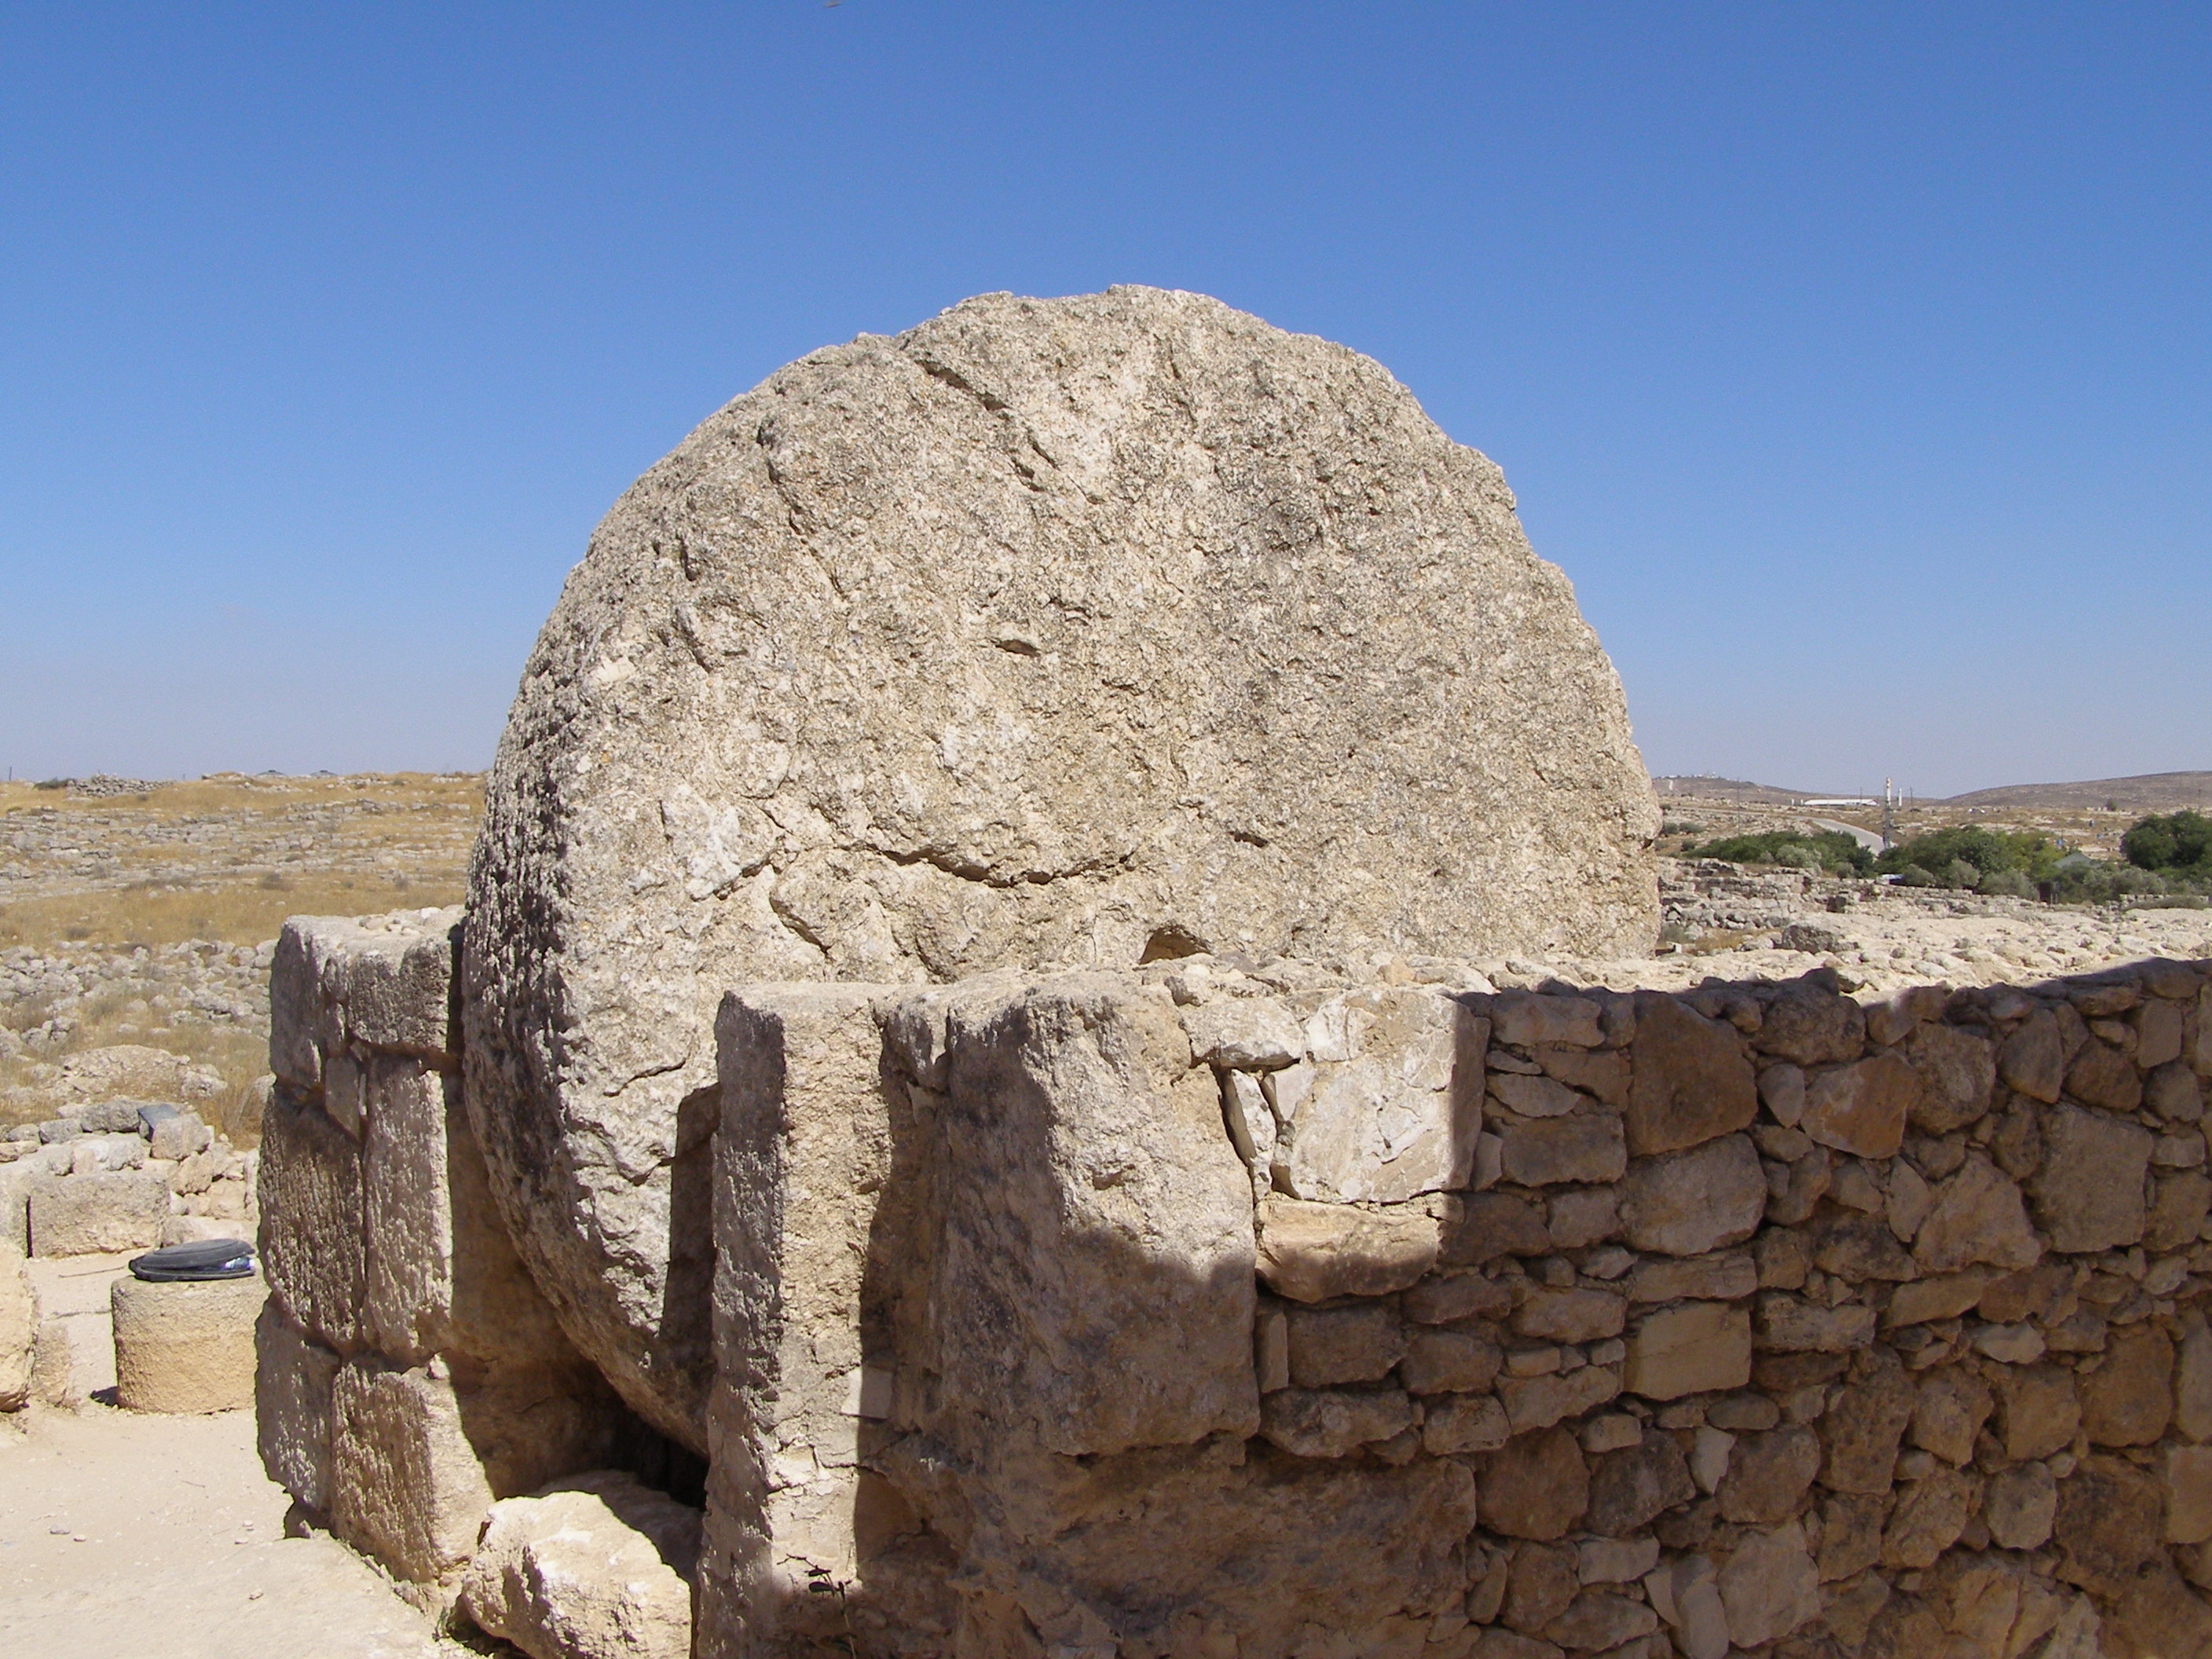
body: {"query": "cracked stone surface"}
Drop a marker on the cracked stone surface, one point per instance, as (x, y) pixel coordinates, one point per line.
(1050, 632)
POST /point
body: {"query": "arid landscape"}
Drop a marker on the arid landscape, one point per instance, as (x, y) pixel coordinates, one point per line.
(140, 915)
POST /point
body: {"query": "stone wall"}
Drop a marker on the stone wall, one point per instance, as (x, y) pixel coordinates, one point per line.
(1188, 1310)
(410, 1374)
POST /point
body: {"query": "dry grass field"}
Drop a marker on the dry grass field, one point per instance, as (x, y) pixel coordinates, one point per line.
(144, 917)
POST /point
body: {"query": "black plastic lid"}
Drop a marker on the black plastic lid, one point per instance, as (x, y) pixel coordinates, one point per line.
(210, 1258)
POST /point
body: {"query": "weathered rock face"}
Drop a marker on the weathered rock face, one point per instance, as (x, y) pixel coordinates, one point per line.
(1050, 632)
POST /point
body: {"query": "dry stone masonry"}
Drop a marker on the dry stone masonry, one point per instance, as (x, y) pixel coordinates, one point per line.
(1204, 1308)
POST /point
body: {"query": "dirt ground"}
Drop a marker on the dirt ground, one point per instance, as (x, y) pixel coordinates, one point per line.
(124, 1536)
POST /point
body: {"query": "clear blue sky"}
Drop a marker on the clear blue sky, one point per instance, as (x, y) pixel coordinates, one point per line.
(1856, 361)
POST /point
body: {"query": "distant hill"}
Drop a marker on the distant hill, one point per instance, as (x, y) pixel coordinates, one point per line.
(2154, 792)
(1710, 789)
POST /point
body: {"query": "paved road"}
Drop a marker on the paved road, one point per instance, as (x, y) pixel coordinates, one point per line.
(1866, 838)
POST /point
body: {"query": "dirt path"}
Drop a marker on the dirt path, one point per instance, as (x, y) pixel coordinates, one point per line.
(123, 1536)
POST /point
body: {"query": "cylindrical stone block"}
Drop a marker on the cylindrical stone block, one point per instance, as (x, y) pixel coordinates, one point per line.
(186, 1346)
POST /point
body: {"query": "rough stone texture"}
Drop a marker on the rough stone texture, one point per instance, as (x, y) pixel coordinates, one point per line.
(407, 1486)
(1691, 1080)
(596, 1567)
(1861, 1107)
(19, 1330)
(1689, 1348)
(1958, 1070)
(1310, 1252)
(1690, 1202)
(2088, 1192)
(292, 1382)
(1768, 1587)
(1537, 1486)
(2129, 1399)
(1395, 1102)
(805, 1148)
(311, 1238)
(97, 1214)
(1049, 632)
(1976, 1216)
(1091, 1265)
(382, 982)
(184, 1348)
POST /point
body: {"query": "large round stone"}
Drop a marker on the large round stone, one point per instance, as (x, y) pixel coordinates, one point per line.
(1051, 632)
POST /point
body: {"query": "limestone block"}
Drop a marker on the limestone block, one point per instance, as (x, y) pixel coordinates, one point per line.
(1958, 1071)
(1581, 1314)
(2110, 1524)
(1788, 1325)
(1859, 1433)
(1768, 1586)
(1333, 1422)
(184, 1348)
(1450, 1362)
(1490, 1224)
(1768, 1472)
(1332, 1346)
(292, 1380)
(1249, 1033)
(2103, 1076)
(595, 1567)
(1311, 1252)
(407, 1209)
(2187, 1472)
(383, 983)
(1631, 1486)
(1810, 1025)
(1691, 1347)
(1689, 1202)
(1537, 1402)
(1953, 1403)
(2019, 1505)
(406, 1485)
(1861, 1108)
(97, 1214)
(2033, 1060)
(2192, 1381)
(19, 1331)
(1725, 1276)
(1396, 1100)
(1691, 1078)
(2129, 1399)
(1588, 1146)
(987, 788)
(179, 1135)
(1976, 1216)
(1536, 1486)
(1441, 1298)
(1927, 1517)
(1527, 1019)
(1091, 1250)
(2037, 1410)
(2088, 1192)
(312, 1232)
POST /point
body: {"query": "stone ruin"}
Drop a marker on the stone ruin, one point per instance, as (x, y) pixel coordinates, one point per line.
(985, 1103)
(102, 1178)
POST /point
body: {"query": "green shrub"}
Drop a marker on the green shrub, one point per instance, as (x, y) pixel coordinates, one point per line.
(1984, 853)
(2179, 841)
(2007, 883)
(1824, 849)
